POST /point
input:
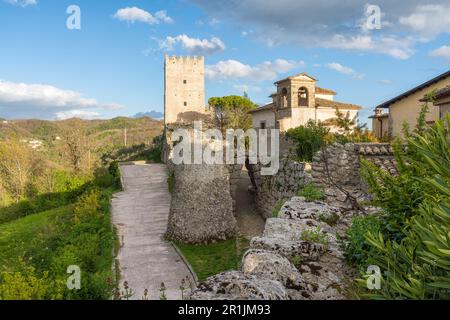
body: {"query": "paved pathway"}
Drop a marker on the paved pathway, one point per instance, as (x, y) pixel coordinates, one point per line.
(140, 214)
(250, 223)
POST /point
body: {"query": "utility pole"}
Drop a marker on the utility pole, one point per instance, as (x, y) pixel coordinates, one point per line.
(125, 137)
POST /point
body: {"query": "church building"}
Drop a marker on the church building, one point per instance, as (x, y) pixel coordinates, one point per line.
(298, 99)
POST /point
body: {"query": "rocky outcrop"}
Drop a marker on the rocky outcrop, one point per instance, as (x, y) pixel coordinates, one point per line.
(270, 265)
(201, 209)
(236, 285)
(298, 252)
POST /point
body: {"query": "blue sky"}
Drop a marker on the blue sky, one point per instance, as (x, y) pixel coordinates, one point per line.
(113, 65)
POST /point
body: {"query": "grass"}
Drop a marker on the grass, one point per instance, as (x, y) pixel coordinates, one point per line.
(26, 235)
(208, 260)
(276, 210)
(312, 193)
(40, 247)
(315, 236)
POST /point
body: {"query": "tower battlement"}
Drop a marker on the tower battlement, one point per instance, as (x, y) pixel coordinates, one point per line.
(184, 87)
(184, 60)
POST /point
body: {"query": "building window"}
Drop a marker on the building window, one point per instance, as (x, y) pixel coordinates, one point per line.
(284, 98)
(263, 125)
(184, 81)
(303, 97)
(185, 104)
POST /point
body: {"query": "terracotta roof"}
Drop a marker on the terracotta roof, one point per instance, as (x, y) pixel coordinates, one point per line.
(335, 104)
(320, 90)
(414, 90)
(443, 93)
(263, 108)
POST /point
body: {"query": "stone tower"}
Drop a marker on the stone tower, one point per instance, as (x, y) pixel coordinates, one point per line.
(184, 88)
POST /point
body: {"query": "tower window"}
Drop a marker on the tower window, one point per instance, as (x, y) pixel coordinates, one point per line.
(284, 98)
(303, 100)
(185, 104)
(263, 125)
(184, 81)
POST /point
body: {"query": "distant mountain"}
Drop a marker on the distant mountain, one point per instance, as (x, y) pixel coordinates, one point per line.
(151, 114)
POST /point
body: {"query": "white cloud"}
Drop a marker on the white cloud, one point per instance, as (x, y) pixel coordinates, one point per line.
(429, 20)
(442, 52)
(268, 70)
(340, 68)
(42, 100)
(336, 24)
(135, 14)
(22, 3)
(163, 17)
(400, 48)
(82, 114)
(345, 70)
(193, 45)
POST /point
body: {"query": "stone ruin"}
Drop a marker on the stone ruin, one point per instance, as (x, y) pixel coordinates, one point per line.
(337, 168)
(203, 200)
(284, 265)
(201, 209)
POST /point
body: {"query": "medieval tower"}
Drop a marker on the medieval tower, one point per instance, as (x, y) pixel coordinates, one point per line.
(184, 88)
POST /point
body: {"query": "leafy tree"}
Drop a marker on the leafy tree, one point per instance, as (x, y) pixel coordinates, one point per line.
(18, 165)
(342, 122)
(77, 146)
(309, 139)
(232, 112)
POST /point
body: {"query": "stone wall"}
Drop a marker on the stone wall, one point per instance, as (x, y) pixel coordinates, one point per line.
(340, 164)
(284, 185)
(201, 209)
(285, 264)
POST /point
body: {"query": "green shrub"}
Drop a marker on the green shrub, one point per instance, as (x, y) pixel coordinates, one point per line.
(87, 207)
(312, 193)
(356, 247)
(277, 208)
(171, 181)
(416, 264)
(308, 139)
(26, 284)
(315, 236)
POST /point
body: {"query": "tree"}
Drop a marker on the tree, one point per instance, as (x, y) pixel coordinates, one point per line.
(77, 145)
(18, 164)
(232, 112)
(309, 139)
(342, 122)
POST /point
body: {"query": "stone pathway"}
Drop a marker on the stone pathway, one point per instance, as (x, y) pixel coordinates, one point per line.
(140, 214)
(250, 222)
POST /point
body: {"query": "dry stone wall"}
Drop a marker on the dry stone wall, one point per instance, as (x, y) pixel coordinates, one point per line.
(339, 165)
(284, 185)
